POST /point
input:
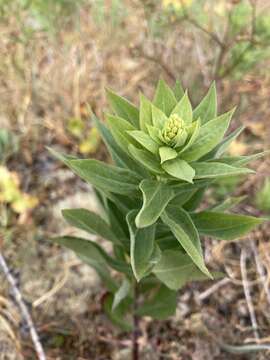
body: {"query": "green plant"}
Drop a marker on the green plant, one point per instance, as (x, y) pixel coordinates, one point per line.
(263, 196)
(165, 156)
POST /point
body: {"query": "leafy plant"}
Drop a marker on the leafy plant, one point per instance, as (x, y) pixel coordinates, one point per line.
(263, 196)
(166, 154)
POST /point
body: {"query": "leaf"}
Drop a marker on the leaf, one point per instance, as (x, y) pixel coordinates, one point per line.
(224, 145)
(121, 294)
(178, 90)
(175, 269)
(207, 109)
(164, 98)
(228, 204)
(89, 221)
(187, 237)
(210, 135)
(118, 315)
(120, 157)
(156, 196)
(155, 134)
(145, 113)
(216, 169)
(141, 247)
(123, 108)
(184, 109)
(145, 140)
(119, 128)
(146, 159)
(179, 169)
(111, 178)
(158, 117)
(243, 160)
(90, 253)
(195, 133)
(161, 306)
(224, 226)
(166, 153)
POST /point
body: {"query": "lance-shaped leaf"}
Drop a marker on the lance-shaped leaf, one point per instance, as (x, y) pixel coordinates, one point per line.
(164, 98)
(207, 109)
(142, 248)
(118, 315)
(121, 294)
(242, 160)
(213, 169)
(195, 130)
(120, 157)
(184, 109)
(124, 108)
(158, 117)
(210, 135)
(91, 254)
(103, 176)
(145, 140)
(146, 159)
(179, 169)
(89, 221)
(119, 128)
(155, 134)
(175, 269)
(227, 204)
(226, 142)
(224, 226)
(167, 153)
(186, 234)
(156, 196)
(145, 113)
(161, 306)
(178, 90)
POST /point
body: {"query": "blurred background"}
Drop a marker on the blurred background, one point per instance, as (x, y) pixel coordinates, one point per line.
(57, 56)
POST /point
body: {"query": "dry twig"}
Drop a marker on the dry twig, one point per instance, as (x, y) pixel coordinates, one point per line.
(23, 308)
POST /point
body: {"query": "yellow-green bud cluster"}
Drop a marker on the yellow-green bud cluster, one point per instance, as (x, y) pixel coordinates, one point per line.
(173, 127)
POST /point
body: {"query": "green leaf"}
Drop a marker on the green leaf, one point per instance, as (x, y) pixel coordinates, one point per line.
(146, 159)
(123, 108)
(216, 169)
(161, 306)
(195, 130)
(155, 134)
(227, 204)
(166, 153)
(104, 176)
(89, 221)
(178, 90)
(186, 235)
(179, 169)
(207, 109)
(145, 140)
(210, 135)
(142, 248)
(118, 315)
(145, 113)
(175, 269)
(120, 157)
(184, 109)
(224, 226)
(90, 253)
(224, 145)
(243, 160)
(119, 128)
(158, 117)
(121, 294)
(156, 196)
(164, 98)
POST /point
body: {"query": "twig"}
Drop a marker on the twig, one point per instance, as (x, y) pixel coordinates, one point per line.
(243, 260)
(23, 308)
(213, 288)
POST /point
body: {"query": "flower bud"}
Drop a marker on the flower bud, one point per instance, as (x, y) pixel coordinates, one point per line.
(174, 132)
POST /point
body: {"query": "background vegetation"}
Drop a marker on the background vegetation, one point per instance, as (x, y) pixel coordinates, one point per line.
(56, 57)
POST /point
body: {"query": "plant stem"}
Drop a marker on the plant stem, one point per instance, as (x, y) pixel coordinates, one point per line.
(135, 333)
